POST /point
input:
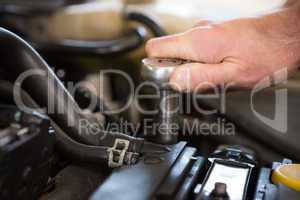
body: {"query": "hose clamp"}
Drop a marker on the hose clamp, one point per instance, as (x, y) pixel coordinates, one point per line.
(116, 154)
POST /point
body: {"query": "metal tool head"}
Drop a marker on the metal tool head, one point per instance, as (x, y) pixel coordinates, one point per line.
(159, 70)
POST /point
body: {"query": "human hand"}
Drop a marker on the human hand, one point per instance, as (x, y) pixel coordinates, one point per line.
(240, 52)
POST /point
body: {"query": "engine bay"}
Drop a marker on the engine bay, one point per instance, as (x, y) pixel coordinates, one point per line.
(89, 116)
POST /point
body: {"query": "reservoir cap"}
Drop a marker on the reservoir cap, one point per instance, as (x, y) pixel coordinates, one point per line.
(288, 175)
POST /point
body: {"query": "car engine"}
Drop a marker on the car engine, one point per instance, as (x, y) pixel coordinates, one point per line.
(84, 114)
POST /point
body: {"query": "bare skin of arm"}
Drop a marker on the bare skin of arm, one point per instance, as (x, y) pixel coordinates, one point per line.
(240, 52)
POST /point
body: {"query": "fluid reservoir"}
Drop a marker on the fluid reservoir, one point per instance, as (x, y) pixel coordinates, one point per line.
(287, 175)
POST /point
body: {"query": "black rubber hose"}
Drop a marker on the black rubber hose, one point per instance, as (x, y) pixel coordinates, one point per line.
(77, 151)
(46, 89)
(147, 21)
(131, 40)
(66, 145)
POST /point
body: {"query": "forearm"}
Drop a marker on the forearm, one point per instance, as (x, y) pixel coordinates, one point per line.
(282, 28)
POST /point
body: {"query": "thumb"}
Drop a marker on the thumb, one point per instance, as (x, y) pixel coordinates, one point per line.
(200, 77)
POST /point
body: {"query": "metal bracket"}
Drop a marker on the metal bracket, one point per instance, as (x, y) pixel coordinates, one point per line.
(116, 154)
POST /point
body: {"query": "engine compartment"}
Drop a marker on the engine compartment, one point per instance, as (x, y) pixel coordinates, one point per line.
(77, 122)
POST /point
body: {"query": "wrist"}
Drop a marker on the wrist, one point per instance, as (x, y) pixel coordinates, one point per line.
(282, 29)
(283, 25)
